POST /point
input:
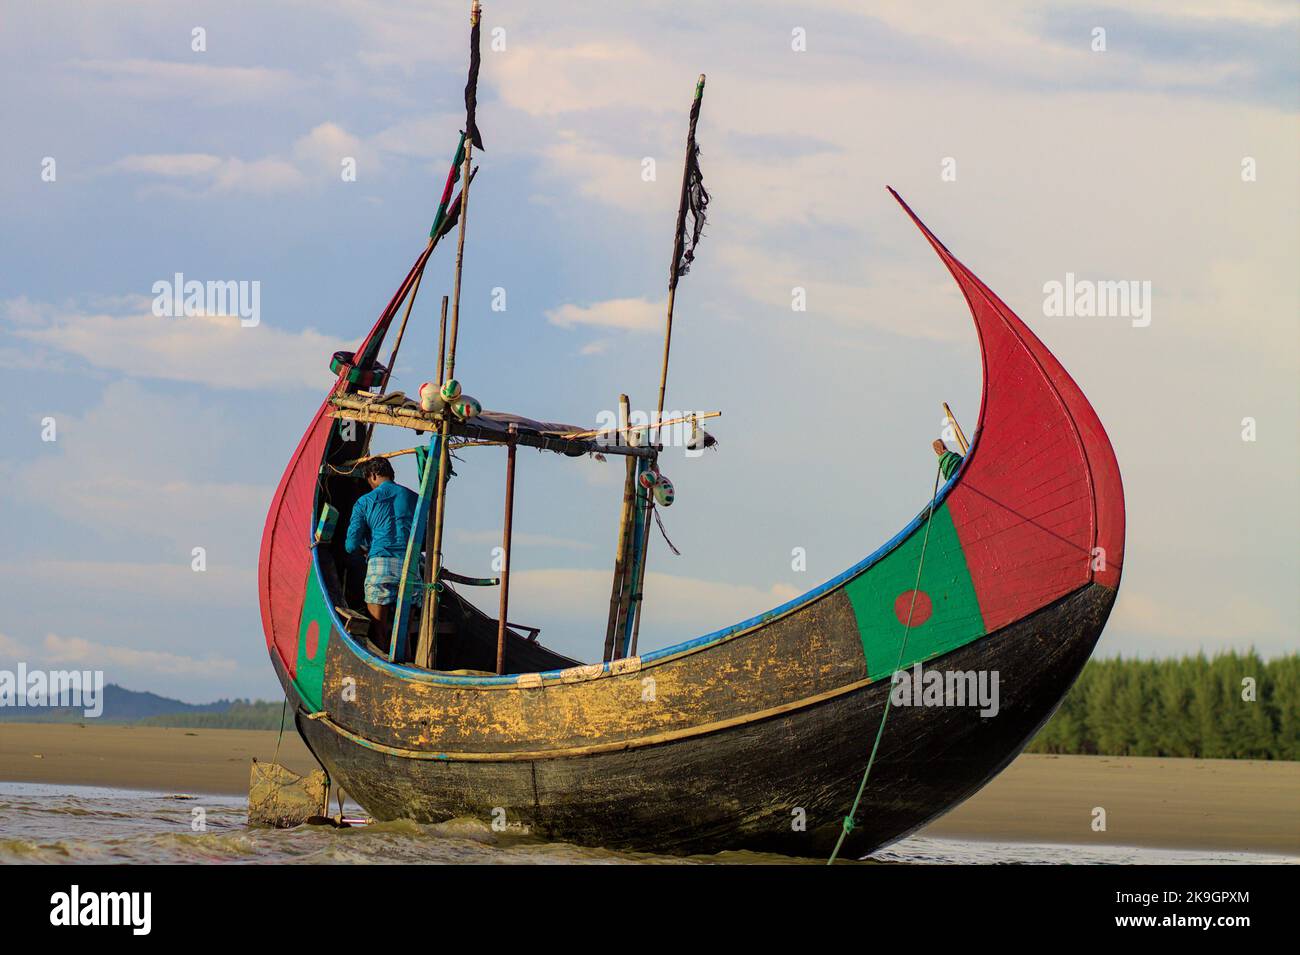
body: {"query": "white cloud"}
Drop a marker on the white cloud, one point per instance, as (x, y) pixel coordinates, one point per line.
(420, 137)
(77, 651)
(171, 164)
(12, 650)
(212, 350)
(321, 151)
(315, 157)
(190, 175)
(163, 79)
(258, 176)
(549, 79)
(629, 314)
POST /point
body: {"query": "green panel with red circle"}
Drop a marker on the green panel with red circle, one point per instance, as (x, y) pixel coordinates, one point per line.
(314, 629)
(944, 612)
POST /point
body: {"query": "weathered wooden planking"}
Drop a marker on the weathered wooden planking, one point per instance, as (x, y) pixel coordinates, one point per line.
(780, 784)
(813, 651)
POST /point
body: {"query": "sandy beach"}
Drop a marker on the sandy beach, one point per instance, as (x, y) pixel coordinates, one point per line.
(1241, 805)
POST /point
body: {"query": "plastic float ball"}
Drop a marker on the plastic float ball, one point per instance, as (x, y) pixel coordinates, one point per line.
(664, 493)
(430, 399)
(648, 478)
(450, 389)
(466, 407)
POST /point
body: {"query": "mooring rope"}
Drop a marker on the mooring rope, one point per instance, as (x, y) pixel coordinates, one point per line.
(275, 760)
(847, 827)
(284, 709)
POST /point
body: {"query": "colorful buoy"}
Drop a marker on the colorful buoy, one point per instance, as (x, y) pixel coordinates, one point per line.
(664, 492)
(430, 397)
(450, 389)
(648, 478)
(466, 407)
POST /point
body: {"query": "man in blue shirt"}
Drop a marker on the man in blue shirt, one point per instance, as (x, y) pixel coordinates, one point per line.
(381, 526)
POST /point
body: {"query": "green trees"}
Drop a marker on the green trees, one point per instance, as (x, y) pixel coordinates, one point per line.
(1192, 706)
(242, 715)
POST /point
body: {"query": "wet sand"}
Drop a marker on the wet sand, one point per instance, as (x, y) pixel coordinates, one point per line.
(1231, 804)
(1242, 805)
(157, 758)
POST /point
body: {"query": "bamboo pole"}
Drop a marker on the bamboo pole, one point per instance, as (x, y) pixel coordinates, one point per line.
(425, 635)
(625, 430)
(678, 239)
(506, 534)
(442, 339)
(677, 252)
(638, 592)
(460, 259)
(619, 587)
(956, 429)
(401, 329)
(428, 652)
(392, 358)
(371, 457)
(630, 577)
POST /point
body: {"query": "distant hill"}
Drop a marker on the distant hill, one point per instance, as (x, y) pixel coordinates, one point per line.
(133, 706)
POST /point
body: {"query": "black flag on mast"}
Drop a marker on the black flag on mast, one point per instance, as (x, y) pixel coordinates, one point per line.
(695, 198)
(471, 87)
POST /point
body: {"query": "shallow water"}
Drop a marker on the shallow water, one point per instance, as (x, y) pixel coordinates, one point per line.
(82, 824)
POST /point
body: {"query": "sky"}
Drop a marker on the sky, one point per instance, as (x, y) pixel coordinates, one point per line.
(1137, 142)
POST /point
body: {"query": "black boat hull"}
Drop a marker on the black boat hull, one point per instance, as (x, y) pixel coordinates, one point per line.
(778, 784)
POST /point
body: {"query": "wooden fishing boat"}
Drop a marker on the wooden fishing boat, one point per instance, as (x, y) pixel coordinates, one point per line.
(752, 737)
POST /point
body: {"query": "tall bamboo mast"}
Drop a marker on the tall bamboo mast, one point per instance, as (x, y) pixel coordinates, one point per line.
(679, 235)
(401, 329)
(430, 594)
(507, 532)
(619, 591)
(427, 652)
(442, 340)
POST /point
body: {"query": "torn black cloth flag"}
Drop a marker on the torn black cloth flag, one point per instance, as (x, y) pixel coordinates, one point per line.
(695, 198)
(471, 87)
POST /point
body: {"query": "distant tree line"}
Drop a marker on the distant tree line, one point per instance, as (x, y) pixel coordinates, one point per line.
(241, 715)
(1193, 706)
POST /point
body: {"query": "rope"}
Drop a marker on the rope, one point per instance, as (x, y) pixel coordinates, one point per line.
(660, 521)
(889, 697)
(284, 709)
(275, 760)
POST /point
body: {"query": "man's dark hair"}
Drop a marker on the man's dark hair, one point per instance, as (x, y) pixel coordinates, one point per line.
(377, 467)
